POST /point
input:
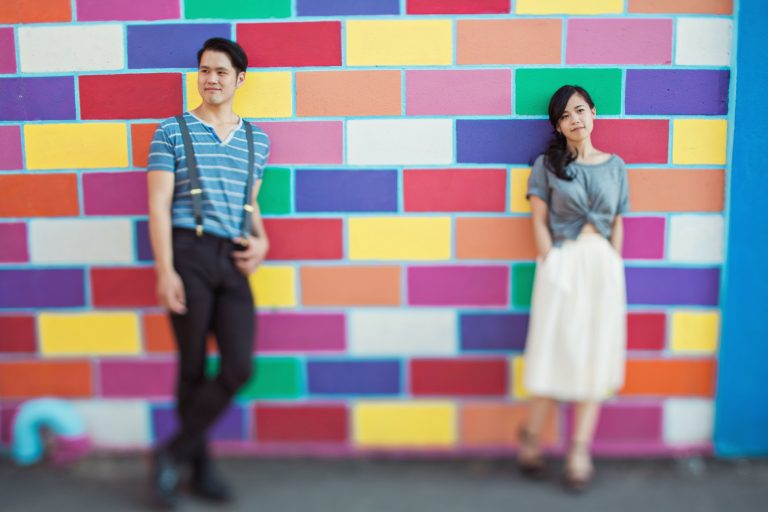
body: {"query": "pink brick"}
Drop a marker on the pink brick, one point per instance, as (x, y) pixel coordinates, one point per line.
(463, 92)
(300, 332)
(137, 379)
(7, 51)
(643, 238)
(99, 10)
(115, 193)
(308, 142)
(13, 242)
(619, 41)
(10, 149)
(638, 425)
(458, 286)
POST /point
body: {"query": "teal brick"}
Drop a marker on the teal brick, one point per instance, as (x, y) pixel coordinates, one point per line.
(534, 88)
(273, 377)
(522, 284)
(275, 192)
(237, 9)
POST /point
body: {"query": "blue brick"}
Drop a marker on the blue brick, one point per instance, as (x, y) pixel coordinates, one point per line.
(502, 141)
(170, 45)
(380, 377)
(142, 241)
(37, 98)
(230, 426)
(346, 191)
(346, 7)
(42, 288)
(677, 91)
(493, 331)
(673, 286)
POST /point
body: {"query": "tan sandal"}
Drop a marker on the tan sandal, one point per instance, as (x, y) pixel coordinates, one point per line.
(534, 467)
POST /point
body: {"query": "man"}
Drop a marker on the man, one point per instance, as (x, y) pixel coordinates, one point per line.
(207, 236)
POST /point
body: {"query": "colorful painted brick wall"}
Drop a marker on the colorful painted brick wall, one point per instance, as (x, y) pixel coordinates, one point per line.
(393, 308)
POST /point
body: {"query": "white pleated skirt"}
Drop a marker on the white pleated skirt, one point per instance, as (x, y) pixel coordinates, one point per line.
(576, 346)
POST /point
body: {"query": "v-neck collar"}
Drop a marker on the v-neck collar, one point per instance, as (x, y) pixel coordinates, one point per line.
(216, 135)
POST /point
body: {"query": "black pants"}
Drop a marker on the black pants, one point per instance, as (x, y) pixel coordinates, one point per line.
(219, 300)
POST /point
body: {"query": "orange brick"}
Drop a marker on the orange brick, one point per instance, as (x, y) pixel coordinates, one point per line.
(27, 379)
(348, 93)
(676, 190)
(670, 377)
(526, 41)
(158, 334)
(682, 6)
(38, 195)
(34, 11)
(501, 238)
(348, 286)
(487, 424)
(141, 136)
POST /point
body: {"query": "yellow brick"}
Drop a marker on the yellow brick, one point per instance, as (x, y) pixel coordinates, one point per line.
(518, 374)
(263, 94)
(382, 424)
(89, 334)
(399, 238)
(274, 287)
(569, 6)
(76, 146)
(699, 141)
(518, 190)
(396, 43)
(695, 331)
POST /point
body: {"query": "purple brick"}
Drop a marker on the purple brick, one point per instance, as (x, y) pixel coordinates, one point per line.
(37, 98)
(346, 191)
(458, 286)
(229, 427)
(13, 242)
(621, 423)
(119, 379)
(494, 331)
(99, 10)
(300, 332)
(501, 140)
(673, 286)
(115, 193)
(142, 241)
(170, 46)
(346, 7)
(42, 288)
(380, 377)
(679, 91)
(643, 238)
(10, 148)
(7, 51)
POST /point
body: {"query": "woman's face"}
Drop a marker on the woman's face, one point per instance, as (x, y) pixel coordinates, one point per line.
(577, 120)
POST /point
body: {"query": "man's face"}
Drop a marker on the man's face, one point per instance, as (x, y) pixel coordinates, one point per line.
(217, 79)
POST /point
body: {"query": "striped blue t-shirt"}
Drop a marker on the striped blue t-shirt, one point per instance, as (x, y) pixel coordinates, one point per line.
(223, 170)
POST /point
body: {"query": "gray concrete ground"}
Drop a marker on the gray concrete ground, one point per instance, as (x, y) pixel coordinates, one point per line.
(113, 483)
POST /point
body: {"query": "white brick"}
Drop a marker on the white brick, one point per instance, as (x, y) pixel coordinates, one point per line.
(703, 41)
(688, 421)
(71, 48)
(696, 238)
(400, 142)
(116, 423)
(76, 241)
(402, 332)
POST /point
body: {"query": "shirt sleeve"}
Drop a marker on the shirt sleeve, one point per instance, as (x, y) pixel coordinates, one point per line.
(538, 182)
(623, 191)
(161, 152)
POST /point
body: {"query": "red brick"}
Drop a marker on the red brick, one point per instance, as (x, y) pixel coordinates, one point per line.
(141, 136)
(123, 287)
(468, 377)
(455, 190)
(301, 424)
(304, 239)
(646, 331)
(634, 140)
(291, 44)
(130, 96)
(17, 334)
(458, 6)
(38, 195)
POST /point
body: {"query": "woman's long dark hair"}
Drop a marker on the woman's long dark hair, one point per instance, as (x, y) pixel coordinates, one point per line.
(558, 156)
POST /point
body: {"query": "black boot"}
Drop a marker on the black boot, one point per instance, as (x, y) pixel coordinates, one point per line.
(164, 478)
(206, 483)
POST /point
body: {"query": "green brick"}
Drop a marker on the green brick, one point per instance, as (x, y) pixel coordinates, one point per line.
(237, 9)
(275, 192)
(273, 377)
(534, 88)
(522, 284)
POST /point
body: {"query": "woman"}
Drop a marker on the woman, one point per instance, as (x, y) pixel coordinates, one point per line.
(575, 350)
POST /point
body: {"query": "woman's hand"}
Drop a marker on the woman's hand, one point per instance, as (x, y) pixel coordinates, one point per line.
(252, 255)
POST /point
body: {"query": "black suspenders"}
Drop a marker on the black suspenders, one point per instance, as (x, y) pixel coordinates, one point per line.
(197, 188)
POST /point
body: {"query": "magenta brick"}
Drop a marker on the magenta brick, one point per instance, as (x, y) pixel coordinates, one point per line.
(307, 142)
(99, 10)
(460, 92)
(137, 379)
(10, 149)
(301, 332)
(623, 424)
(619, 41)
(13, 242)
(115, 193)
(644, 238)
(7, 51)
(458, 286)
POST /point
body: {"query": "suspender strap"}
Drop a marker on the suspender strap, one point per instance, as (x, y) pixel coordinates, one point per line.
(247, 206)
(194, 177)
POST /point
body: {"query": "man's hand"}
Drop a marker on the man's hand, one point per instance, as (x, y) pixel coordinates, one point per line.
(170, 292)
(252, 255)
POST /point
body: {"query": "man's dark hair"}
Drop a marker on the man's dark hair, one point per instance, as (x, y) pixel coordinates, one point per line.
(236, 54)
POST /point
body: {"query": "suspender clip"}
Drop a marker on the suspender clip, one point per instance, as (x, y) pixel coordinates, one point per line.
(248, 208)
(199, 231)
(196, 191)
